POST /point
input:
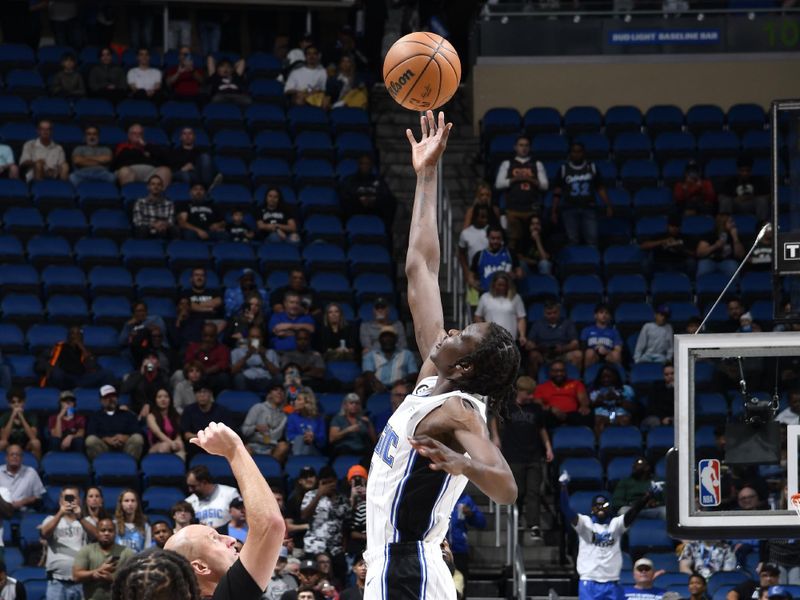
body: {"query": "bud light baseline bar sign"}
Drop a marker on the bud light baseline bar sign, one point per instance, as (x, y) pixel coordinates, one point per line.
(659, 37)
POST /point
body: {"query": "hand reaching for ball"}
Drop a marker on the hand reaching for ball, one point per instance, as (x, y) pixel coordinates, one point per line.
(426, 152)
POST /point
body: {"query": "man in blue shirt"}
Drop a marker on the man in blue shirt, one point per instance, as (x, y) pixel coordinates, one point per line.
(601, 341)
(284, 325)
(643, 576)
(496, 257)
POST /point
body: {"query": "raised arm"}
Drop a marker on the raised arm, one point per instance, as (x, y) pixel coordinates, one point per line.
(422, 259)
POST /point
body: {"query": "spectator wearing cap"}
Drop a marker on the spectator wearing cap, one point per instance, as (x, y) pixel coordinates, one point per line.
(19, 427)
(200, 414)
(308, 361)
(305, 427)
(465, 514)
(306, 84)
(643, 575)
(694, 195)
(296, 525)
(356, 525)
(631, 489)
(234, 298)
(351, 431)
(263, 428)
(67, 428)
(20, 485)
(10, 588)
(383, 366)
(309, 578)
(778, 592)
(237, 526)
(601, 341)
(284, 326)
(370, 331)
(745, 193)
(280, 582)
(768, 576)
(111, 429)
(655, 339)
(327, 511)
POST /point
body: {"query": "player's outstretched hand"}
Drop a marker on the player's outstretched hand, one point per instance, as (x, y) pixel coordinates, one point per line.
(442, 458)
(563, 479)
(426, 152)
(218, 439)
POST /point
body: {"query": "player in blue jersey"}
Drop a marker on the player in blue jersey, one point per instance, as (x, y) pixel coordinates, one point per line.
(437, 440)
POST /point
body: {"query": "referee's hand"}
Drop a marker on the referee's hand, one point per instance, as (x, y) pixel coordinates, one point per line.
(218, 439)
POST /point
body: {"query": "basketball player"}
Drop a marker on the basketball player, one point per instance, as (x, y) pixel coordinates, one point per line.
(437, 439)
(223, 573)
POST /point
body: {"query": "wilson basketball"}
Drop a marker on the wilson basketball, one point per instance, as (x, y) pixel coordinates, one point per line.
(422, 71)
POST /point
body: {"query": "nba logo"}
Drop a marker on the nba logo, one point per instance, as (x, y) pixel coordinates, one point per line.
(708, 474)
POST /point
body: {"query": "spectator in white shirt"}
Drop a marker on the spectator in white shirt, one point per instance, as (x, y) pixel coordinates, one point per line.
(211, 501)
(8, 169)
(306, 84)
(791, 415)
(42, 158)
(144, 81)
(22, 481)
(502, 305)
(473, 239)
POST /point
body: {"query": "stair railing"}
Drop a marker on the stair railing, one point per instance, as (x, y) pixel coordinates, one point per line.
(454, 278)
(515, 558)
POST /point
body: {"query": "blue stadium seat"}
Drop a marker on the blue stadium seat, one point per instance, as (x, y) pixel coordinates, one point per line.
(267, 90)
(36, 589)
(23, 222)
(13, 192)
(183, 254)
(710, 408)
(157, 499)
(163, 469)
(697, 227)
(720, 169)
(746, 224)
(620, 441)
(238, 402)
(622, 259)
(618, 468)
(708, 287)
(41, 337)
(65, 467)
(69, 222)
(648, 535)
(111, 223)
(648, 228)
(305, 118)
(20, 55)
(500, 148)
(312, 171)
(663, 118)
(110, 280)
(29, 537)
(673, 171)
(580, 119)
(757, 143)
(262, 64)
(91, 252)
(115, 468)
(342, 464)
(48, 250)
(365, 228)
(270, 171)
(12, 108)
(681, 313)
(280, 255)
(573, 441)
(11, 338)
(101, 339)
(652, 201)
(369, 258)
(639, 173)
(595, 145)
(644, 375)
(622, 118)
(110, 310)
(19, 278)
(232, 255)
(93, 195)
(13, 558)
(218, 467)
(275, 144)
(232, 143)
(324, 227)
(314, 144)
(11, 250)
(318, 199)
(332, 286)
(111, 135)
(659, 440)
(666, 287)
(550, 146)
(324, 256)
(140, 253)
(626, 288)
(222, 116)
(742, 117)
(294, 464)
(343, 372)
(582, 288)
(42, 400)
(369, 286)
(674, 144)
(16, 134)
(94, 111)
(541, 120)
(143, 112)
(23, 309)
(177, 115)
(586, 473)
(52, 109)
(756, 286)
(717, 144)
(25, 83)
(155, 281)
(578, 259)
(500, 120)
(67, 309)
(631, 145)
(353, 145)
(704, 117)
(63, 279)
(21, 366)
(269, 467)
(347, 119)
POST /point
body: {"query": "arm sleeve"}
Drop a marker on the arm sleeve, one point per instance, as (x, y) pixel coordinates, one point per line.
(249, 425)
(481, 310)
(477, 520)
(641, 344)
(276, 431)
(502, 181)
(292, 428)
(27, 150)
(519, 307)
(20, 591)
(368, 362)
(541, 175)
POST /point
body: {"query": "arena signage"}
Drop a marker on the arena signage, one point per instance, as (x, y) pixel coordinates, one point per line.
(636, 37)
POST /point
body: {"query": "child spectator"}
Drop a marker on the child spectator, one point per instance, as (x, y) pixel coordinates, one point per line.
(238, 230)
(68, 82)
(132, 528)
(601, 341)
(67, 429)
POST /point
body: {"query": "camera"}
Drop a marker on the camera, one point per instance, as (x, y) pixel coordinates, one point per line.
(758, 411)
(150, 367)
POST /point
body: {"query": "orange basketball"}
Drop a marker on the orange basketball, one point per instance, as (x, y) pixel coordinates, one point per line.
(422, 71)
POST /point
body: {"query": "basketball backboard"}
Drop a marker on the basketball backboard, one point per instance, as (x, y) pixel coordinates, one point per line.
(728, 390)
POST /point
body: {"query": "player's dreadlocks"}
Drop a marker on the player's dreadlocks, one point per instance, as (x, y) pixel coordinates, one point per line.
(496, 363)
(155, 574)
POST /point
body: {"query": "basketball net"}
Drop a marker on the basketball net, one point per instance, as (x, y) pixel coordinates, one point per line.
(795, 503)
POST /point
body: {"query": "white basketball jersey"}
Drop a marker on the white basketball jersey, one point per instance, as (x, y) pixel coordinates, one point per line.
(406, 500)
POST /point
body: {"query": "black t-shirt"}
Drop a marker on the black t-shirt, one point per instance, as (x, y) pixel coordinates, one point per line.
(520, 437)
(178, 157)
(748, 589)
(237, 583)
(234, 84)
(200, 214)
(352, 593)
(675, 252)
(578, 183)
(751, 186)
(204, 295)
(278, 216)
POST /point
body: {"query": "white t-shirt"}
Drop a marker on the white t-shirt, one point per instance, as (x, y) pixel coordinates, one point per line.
(144, 79)
(214, 510)
(788, 417)
(67, 538)
(599, 552)
(473, 240)
(501, 310)
(303, 78)
(5, 494)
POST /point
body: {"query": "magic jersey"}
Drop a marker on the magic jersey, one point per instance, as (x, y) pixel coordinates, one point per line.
(599, 552)
(406, 500)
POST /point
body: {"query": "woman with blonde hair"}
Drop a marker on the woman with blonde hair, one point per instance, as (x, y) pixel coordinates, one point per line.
(351, 431)
(305, 428)
(336, 339)
(502, 305)
(483, 197)
(133, 530)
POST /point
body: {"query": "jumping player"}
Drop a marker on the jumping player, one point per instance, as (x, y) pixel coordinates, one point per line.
(437, 439)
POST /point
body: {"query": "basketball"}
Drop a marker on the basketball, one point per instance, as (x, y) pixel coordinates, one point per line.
(422, 71)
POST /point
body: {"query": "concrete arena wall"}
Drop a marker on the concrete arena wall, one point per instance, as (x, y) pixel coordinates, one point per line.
(643, 81)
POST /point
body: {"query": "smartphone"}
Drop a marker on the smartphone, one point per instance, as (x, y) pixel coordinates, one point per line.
(69, 498)
(113, 560)
(255, 343)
